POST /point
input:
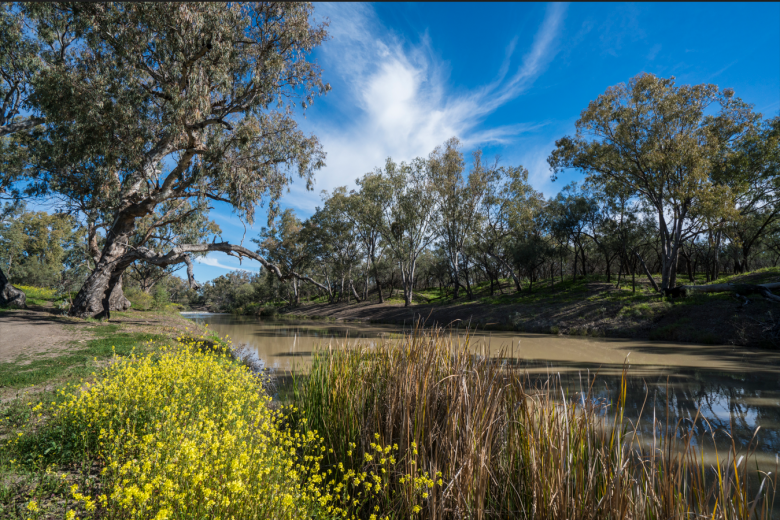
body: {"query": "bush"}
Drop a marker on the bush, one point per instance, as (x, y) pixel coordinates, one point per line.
(141, 301)
(268, 311)
(184, 434)
(161, 297)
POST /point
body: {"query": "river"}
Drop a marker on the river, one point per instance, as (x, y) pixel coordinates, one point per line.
(735, 389)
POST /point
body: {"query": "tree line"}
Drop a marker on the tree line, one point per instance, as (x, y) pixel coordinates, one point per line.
(132, 118)
(701, 208)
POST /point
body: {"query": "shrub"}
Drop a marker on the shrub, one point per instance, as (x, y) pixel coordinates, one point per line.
(185, 434)
(268, 311)
(161, 297)
(141, 301)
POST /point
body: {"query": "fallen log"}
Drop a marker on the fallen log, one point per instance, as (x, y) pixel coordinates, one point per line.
(742, 289)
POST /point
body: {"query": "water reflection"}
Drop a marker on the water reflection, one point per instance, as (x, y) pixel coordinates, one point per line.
(734, 389)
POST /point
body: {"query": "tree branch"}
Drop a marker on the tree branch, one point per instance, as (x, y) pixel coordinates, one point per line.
(21, 125)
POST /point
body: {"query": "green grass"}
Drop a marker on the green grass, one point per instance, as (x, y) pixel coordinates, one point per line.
(76, 361)
(759, 276)
(41, 295)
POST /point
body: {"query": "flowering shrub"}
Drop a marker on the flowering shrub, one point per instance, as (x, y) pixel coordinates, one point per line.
(188, 434)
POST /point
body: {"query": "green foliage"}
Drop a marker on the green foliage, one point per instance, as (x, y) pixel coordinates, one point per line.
(673, 143)
(161, 297)
(238, 291)
(140, 300)
(41, 249)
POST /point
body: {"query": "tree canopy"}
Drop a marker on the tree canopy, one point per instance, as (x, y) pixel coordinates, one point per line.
(166, 104)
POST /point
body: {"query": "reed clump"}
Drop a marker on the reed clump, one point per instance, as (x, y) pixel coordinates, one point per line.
(498, 445)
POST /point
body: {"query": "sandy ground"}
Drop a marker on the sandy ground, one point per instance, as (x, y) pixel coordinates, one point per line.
(24, 333)
(36, 332)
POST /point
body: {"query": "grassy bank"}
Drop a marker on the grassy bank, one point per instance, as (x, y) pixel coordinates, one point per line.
(587, 306)
(79, 361)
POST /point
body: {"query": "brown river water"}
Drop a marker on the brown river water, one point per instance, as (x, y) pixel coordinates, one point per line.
(736, 390)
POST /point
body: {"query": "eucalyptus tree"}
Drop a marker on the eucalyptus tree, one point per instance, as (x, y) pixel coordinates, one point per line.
(751, 169)
(507, 208)
(370, 205)
(569, 213)
(530, 252)
(35, 245)
(623, 231)
(656, 139)
(188, 223)
(9, 295)
(284, 245)
(360, 210)
(154, 103)
(339, 237)
(408, 206)
(19, 62)
(460, 201)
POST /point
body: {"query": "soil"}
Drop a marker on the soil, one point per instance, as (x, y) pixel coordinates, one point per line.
(594, 310)
(25, 333)
(39, 332)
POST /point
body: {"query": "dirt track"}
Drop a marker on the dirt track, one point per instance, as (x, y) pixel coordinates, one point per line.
(27, 332)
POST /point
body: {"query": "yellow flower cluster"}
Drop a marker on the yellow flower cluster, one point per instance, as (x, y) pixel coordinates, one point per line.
(188, 434)
(358, 490)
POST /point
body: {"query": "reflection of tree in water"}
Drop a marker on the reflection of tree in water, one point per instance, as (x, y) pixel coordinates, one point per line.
(731, 405)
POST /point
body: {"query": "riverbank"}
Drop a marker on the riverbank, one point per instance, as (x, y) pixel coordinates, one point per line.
(587, 307)
(409, 427)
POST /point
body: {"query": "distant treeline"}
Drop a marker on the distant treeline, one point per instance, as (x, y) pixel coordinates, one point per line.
(130, 119)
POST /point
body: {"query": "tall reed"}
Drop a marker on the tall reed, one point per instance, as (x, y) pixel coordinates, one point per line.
(507, 447)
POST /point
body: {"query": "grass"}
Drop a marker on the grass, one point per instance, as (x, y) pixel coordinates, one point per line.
(42, 296)
(759, 276)
(506, 447)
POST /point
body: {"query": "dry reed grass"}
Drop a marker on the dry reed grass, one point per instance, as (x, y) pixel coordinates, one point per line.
(509, 448)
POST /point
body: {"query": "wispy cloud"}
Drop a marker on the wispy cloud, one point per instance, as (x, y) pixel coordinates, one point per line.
(398, 101)
(213, 262)
(724, 69)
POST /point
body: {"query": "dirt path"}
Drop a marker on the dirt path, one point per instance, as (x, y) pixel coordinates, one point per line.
(26, 333)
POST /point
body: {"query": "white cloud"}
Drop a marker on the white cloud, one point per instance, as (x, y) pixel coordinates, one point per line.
(213, 262)
(399, 103)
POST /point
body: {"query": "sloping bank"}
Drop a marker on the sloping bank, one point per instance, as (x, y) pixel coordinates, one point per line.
(410, 428)
(593, 309)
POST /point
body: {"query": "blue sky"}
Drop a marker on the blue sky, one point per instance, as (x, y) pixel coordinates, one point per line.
(507, 78)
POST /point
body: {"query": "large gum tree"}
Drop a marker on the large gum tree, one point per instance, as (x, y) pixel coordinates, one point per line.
(660, 141)
(152, 106)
